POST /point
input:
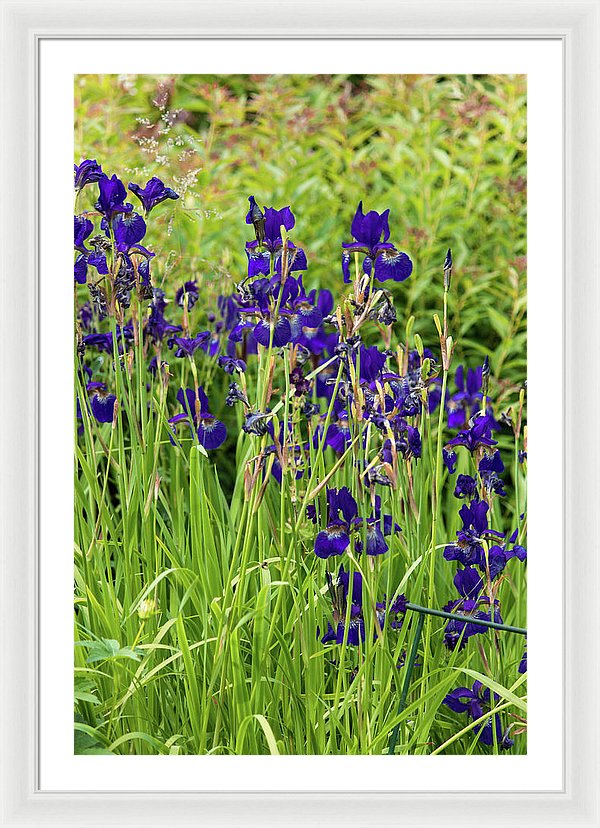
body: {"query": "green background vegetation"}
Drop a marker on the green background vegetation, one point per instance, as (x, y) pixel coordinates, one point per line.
(447, 155)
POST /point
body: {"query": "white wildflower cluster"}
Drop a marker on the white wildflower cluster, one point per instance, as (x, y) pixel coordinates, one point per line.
(139, 172)
(148, 144)
(187, 181)
(168, 117)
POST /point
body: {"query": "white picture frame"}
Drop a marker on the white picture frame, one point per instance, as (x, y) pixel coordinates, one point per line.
(23, 26)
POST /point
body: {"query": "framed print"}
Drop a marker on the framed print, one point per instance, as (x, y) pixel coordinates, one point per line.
(326, 549)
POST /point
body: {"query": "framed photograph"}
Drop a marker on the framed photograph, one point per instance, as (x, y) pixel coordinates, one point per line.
(299, 507)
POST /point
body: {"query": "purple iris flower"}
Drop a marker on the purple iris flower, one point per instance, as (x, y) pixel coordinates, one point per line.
(466, 486)
(523, 663)
(228, 308)
(212, 346)
(407, 442)
(230, 364)
(340, 592)
(467, 400)
(282, 330)
(388, 525)
(338, 434)
(101, 341)
(153, 193)
(469, 583)
(460, 631)
(82, 230)
(376, 543)
(260, 253)
(475, 702)
(449, 460)
(129, 229)
(154, 366)
(305, 310)
(399, 605)
(479, 434)
(299, 381)
(406, 394)
(371, 233)
(111, 198)
(294, 455)
(468, 548)
(187, 346)
(86, 316)
(102, 402)
(211, 432)
(189, 290)
(296, 311)
(94, 258)
(499, 555)
(517, 551)
(97, 260)
(413, 442)
(86, 173)
(372, 362)
(156, 325)
(104, 341)
(378, 528)
(316, 340)
(490, 467)
(335, 538)
(146, 291)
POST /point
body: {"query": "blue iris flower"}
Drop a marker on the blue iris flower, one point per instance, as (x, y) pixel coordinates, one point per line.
(371, 233)
(86, 173)
(490, 467)
(95, 258)
(468, 548)
(102, 402)
(467, 400)
(478, 434)
(153, 193)
(471, 605)
(340, 592)
(475, 702)
(211, 432)
(188, 346)
(156, 325)
(341, 513)
(111, 197)
(189, 293)
(269, 250)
